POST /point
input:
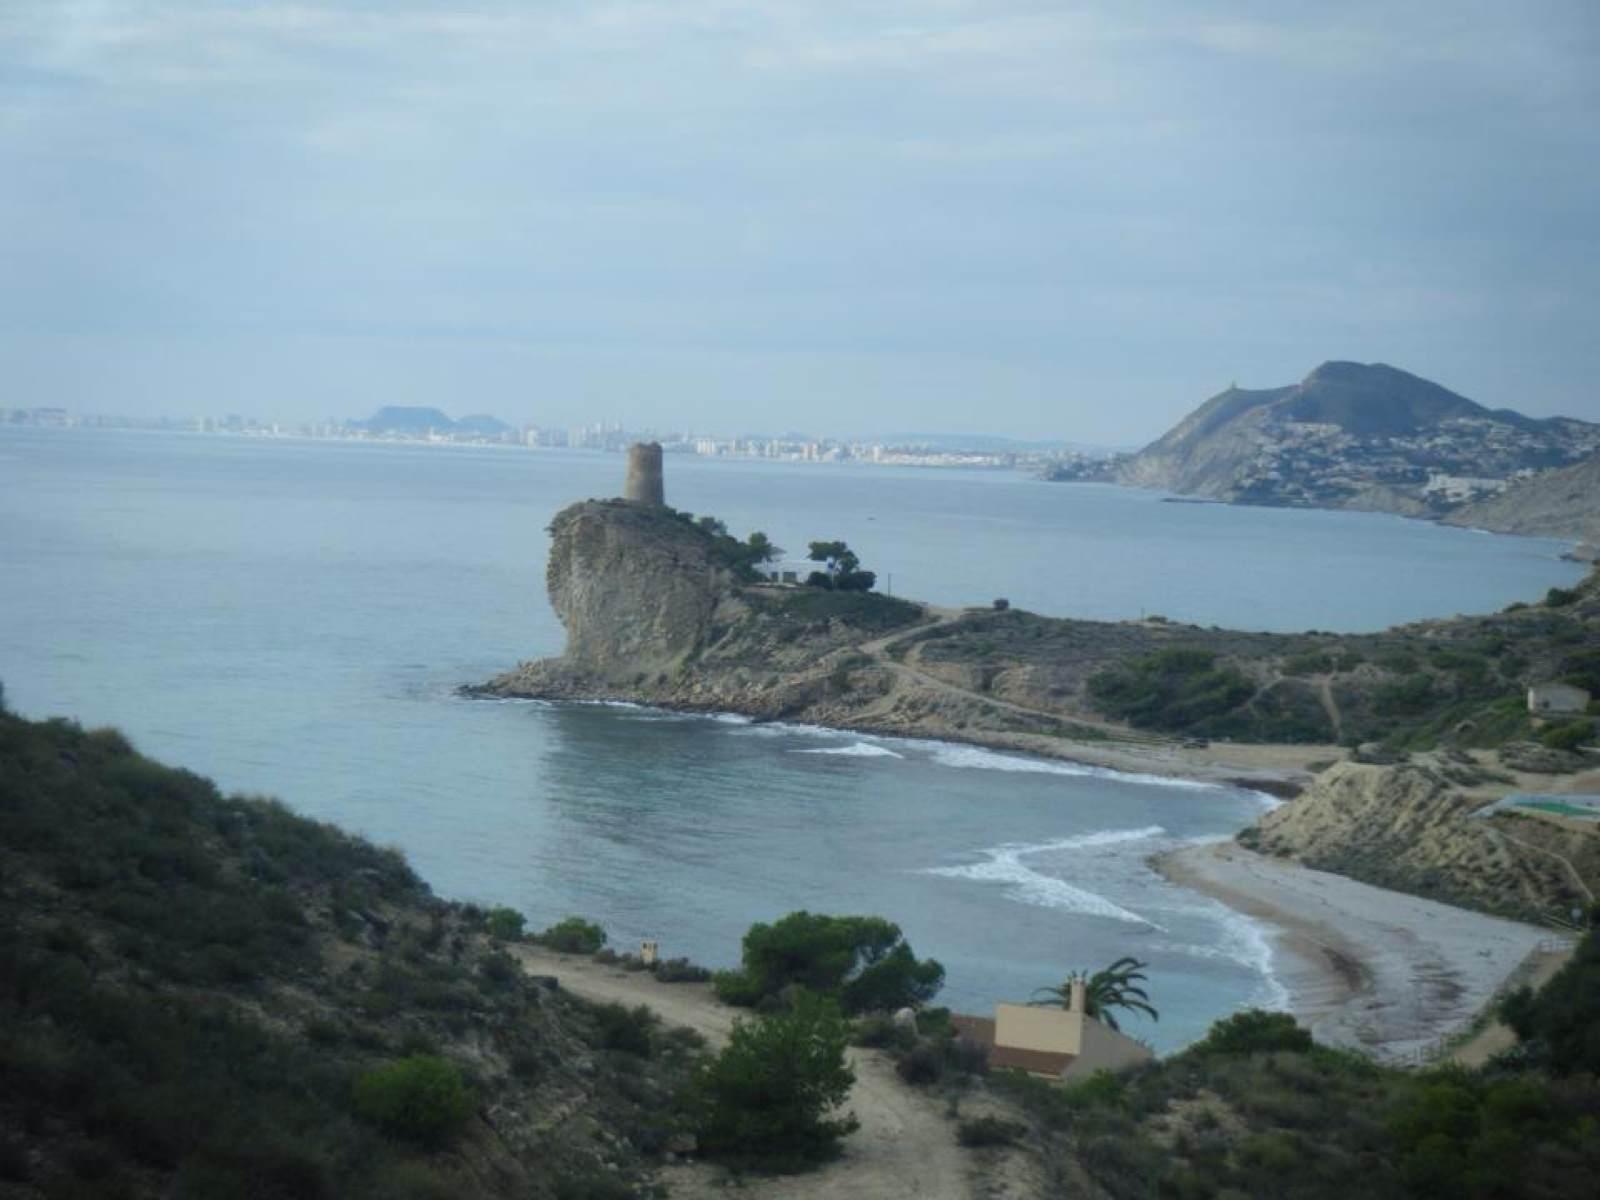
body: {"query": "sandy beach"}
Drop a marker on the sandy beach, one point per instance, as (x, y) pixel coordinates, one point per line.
(1379, 971)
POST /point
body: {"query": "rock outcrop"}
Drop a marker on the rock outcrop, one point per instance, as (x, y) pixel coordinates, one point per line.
(637, 590)
(1410, 827)
(655, 614)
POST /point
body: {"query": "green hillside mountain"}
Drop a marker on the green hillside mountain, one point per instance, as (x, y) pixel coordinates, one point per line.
(1353, 435)
(207, 996)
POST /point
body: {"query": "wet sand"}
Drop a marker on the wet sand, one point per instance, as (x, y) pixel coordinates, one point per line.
(1365, 968)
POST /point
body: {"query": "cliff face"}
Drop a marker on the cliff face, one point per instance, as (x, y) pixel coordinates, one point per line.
(636, 588)
(655, 615)
(1410, 828)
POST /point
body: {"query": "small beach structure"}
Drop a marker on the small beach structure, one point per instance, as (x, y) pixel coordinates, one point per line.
(1064, 1044)
(1557, 699)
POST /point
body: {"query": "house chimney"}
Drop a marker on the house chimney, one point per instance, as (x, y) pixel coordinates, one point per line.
(1080, 997)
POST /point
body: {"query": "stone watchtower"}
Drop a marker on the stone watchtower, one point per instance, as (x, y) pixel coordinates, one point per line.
(644, 485)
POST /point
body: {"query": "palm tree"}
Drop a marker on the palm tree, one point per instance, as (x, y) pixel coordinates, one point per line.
(1110, 987)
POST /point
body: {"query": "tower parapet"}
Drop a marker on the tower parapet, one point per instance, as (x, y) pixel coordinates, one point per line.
(644, 483)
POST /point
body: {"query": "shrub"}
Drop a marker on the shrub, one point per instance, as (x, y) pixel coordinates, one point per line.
(505, 924)
(625, 1029)
(1568, 736)
(879, 1031)
(736, 988)
(989, 1131)
(1253, 1031)
(864, 961)
(421, 1099)
(922, 1063)
(680, 970)
(767, 1099)
(1560, 597)
(574, 936)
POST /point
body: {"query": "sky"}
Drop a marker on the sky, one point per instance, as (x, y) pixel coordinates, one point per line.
(1039, 220)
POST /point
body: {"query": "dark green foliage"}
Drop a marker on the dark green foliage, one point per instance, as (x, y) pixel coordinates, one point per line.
(1582, 669)
(680, 970)
(625, 1029)
(862, 961)
(1254, 1032)
(868, 612)
(1112, 987)
(1568, 736)
(1560, 1025)
(922, 1062)
(768, 1100)
(1459, 1134)
(1561, 597)
(573, 935)
(842, 568)
(168, 1017)
(1180, 688)
(742, 558)
(505, 924)
(1404, 697)
(421, 1099)
(989, 1131)
(880, 1031)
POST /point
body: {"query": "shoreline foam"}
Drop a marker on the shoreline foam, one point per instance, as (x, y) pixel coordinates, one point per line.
(1383, 972)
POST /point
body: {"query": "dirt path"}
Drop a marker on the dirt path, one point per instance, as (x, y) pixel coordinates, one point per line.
(909, 673)
(905, 1149)
(1495, 1038)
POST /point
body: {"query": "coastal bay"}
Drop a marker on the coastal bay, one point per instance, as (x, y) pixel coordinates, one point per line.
(295, 619)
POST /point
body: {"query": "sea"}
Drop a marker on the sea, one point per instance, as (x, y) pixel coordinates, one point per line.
(293, 618)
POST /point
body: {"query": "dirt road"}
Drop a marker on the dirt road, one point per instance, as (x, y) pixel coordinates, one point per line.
(905, 1148)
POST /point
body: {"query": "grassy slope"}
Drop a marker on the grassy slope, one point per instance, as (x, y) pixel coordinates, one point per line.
(1456, 681)
(191, 984)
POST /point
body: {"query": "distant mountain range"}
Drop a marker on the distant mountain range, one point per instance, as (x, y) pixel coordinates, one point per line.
(1357, 436)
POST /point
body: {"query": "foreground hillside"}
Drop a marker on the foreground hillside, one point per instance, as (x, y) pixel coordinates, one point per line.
(207, 996)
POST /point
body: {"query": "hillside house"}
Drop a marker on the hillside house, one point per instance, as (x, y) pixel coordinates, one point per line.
(1557, 700)
(1052, 1043)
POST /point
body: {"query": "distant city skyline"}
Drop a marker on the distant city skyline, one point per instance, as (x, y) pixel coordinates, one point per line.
(1040, 221)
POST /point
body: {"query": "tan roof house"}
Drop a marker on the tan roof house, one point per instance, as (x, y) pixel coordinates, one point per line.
(1556, 699)
(1055, 1043)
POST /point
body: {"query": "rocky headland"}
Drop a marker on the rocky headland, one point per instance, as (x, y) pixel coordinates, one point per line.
(1371, 437)
(1390, 740)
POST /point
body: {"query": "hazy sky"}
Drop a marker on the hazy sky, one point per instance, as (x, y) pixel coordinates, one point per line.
(1038, 219)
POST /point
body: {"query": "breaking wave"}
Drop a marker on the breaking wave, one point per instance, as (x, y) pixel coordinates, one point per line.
(1004, 864)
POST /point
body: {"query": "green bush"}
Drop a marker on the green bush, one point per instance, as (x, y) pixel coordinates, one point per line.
(921, 1063)
(989, 1131)
(574, 936)
(680, 970)
(863, 961)
(421, 1099)
(1568, 736)
(1180, 688)
(768, 1099)
(505, 924)
(1560, 597)
(880, 1031)
(625, 1029)
(1253, 1031)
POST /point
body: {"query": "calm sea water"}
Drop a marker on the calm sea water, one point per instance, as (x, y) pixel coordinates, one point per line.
(292, 618)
